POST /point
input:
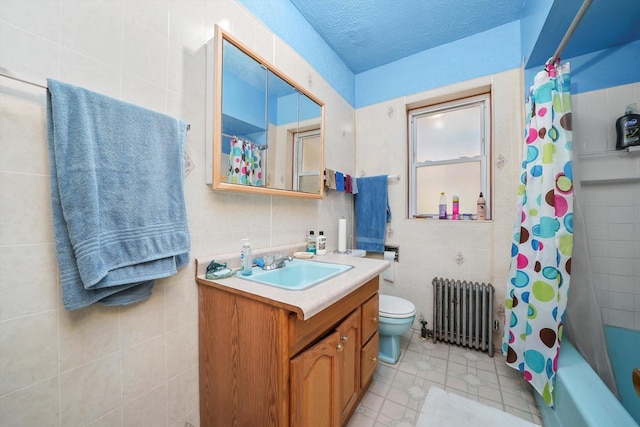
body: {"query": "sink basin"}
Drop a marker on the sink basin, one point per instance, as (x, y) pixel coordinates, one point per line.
(297, 274)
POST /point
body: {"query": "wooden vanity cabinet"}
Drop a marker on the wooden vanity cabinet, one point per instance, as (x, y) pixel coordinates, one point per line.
(260, 365)
(370, 340)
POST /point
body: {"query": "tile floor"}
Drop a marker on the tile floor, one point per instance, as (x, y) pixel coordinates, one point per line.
(398, 391)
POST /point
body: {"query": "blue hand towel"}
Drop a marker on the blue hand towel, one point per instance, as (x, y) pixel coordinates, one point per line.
(372, 213)
(117, 196)
(339, 181)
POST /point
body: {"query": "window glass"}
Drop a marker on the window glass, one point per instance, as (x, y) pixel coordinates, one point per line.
(307, 156)
(449, 134)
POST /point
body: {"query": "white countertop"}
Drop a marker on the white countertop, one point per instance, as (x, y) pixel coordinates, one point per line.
(309, 301)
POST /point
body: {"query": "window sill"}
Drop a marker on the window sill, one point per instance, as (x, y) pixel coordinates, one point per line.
(430, 218)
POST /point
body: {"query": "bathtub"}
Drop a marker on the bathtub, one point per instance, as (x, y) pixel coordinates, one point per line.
(580, 397)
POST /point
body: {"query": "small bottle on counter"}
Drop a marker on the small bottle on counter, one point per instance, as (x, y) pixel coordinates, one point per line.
(482, 207)
(321, 244)
(246, 259)
(311, 242)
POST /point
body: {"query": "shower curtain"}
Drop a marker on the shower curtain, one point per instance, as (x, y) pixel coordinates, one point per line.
(542, 243)
(245, 163)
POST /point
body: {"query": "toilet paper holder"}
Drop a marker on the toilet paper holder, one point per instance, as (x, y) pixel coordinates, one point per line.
(393, 248)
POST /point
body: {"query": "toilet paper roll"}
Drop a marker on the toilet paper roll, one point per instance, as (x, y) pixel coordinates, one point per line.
(388, 273)
(342, 235)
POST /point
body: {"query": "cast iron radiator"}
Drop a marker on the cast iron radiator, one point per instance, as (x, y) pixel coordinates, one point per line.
(462, 313)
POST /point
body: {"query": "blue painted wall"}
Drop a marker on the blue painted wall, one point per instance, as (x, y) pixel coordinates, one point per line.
(282, 17)
(497, 50)
(599, 70)
(485, 53)
(534, 15)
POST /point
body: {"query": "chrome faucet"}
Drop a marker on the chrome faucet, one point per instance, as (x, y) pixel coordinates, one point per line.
(278, 262)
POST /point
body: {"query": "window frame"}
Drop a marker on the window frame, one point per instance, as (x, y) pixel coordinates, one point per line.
(299, 137)
(484, 100)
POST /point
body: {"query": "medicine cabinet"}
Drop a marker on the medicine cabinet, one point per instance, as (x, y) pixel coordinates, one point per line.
(265, 133)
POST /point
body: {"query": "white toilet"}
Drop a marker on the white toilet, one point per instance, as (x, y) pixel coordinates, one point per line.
(396, 315)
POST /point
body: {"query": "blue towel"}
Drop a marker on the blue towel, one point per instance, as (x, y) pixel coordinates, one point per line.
(117, 196)
(372, 213)
(339, 181)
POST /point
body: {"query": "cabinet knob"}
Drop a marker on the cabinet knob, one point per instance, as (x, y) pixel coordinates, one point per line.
(374, 319)
(339, 347)
(374, 359)
(343, 339)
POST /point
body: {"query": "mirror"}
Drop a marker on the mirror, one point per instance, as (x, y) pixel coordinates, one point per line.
(266, 131)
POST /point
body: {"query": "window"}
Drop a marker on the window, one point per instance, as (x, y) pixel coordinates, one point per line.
(449, 152)
(308, 155)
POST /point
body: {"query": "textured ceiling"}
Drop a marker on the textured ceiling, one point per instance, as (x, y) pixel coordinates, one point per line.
(368, 33)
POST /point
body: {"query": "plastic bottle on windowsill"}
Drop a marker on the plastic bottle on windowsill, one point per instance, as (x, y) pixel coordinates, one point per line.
(482, 207)
(442, 206)
(456, 207)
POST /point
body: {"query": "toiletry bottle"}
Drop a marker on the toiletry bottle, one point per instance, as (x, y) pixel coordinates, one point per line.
(246, 258)
(311, 242)
(442, 207)
(628, 128)
(321, 244)
(482, 207)
(456, 207)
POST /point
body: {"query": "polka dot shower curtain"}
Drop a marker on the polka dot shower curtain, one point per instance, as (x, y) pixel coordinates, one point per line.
(245, 163)
(542, 244)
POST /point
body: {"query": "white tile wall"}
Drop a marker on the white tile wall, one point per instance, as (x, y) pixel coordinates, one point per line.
(429, 248)
(135, 365)
(613, 252)
(611, 205)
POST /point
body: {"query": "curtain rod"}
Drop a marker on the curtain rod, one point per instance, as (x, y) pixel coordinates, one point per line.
(5, 73)
(260, 146)
(572, 28)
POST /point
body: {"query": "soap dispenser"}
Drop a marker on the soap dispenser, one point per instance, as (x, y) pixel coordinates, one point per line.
(311, 242)
(246, 258)
(628, 128)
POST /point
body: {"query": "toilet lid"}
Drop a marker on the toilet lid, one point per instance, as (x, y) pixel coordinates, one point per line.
(396, 307)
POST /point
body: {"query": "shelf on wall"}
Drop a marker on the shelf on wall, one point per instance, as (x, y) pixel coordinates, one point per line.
(609, 166)
(634, 149)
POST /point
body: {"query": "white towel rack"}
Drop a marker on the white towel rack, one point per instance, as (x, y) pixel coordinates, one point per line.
(5, 73)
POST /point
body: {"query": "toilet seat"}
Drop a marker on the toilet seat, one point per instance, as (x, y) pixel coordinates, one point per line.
(395, 307)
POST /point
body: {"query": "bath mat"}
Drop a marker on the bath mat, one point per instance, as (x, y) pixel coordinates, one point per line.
(444, 409)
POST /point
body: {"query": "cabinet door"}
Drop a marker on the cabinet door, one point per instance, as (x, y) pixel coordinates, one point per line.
(369, 360)
(349, 359)
(370, 312)
(314, 384)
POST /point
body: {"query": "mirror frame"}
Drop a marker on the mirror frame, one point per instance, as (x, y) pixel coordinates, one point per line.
(216, 182)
